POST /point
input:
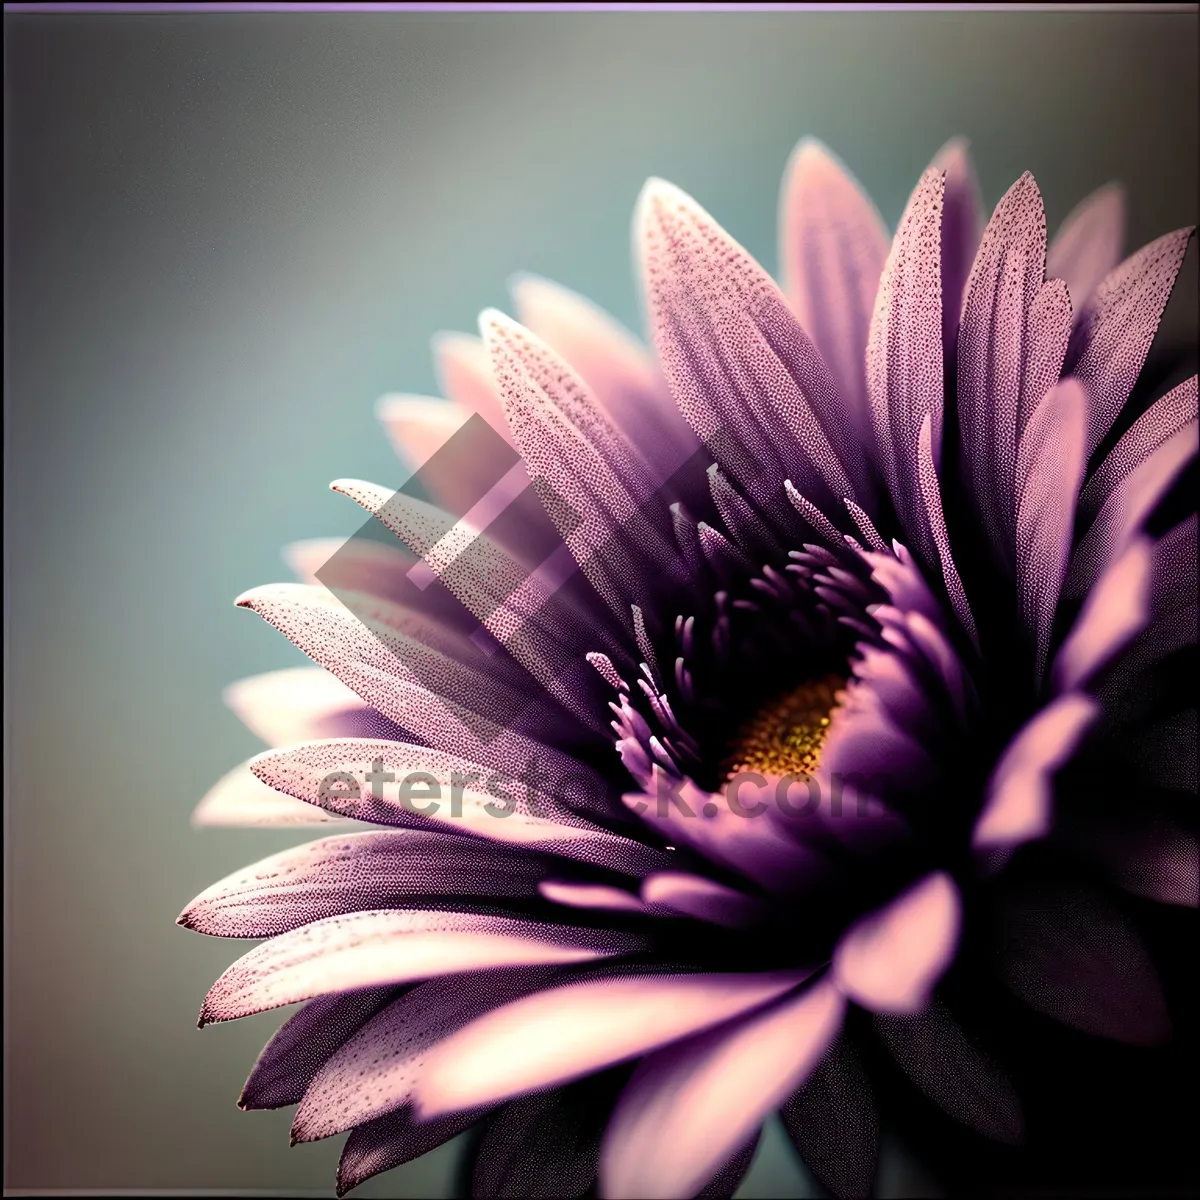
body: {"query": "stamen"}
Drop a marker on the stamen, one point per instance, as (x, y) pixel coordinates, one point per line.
(785, 736)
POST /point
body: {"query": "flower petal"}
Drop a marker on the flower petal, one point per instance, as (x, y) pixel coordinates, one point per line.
(749, 380)
(614, 365)
(1115, 612)
(1070, 955)
(365, 949)
(240, 799)
(1161, 421)
(418, 426)
(833, 244)
(1114, 337)
(689, 1107)
(536, 815)
(953, 1072)
(302, 1044)
(391, 1142)
(537, 1042)
(891, 959)
(1019, 793)
(294, 705)
(376, 1070)
(962, 225)
(695, 896)
(1088, 244)
(833, 1123)
(464, 372)
(360, 871)
(904, 353)
(1050, 464)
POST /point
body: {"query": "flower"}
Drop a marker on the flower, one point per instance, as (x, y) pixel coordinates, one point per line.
(876, 576)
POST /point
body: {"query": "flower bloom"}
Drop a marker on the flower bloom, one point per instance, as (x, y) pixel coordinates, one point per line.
(848, 680)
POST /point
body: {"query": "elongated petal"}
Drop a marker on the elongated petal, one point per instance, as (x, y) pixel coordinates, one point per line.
(1070, 955)
(833, 1123)
(689, 1107)
(241, 799)
(962, 225)
(355, 565)
(1049, 471)
(375, 1071)
(618, 370)
(392, 1141)
(833, 244)
(1160, 422)
(1128, 505)
(1151, 857)
(697, 897)
(464, 373)
(302, 1045)
(891, 960)
(747, 377)
(1115, 612)
(1019, 794)
(1088, 244)
(360, 871)
(537, 1042)
(365, 949)
(523, 810)
(1114, 337)
(904, 353)
(418, 426)
(295, 705)
(954, 1072)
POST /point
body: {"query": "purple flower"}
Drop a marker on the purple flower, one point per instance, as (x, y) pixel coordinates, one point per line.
(856, 685)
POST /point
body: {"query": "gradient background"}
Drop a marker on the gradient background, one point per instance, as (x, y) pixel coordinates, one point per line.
(226, 236)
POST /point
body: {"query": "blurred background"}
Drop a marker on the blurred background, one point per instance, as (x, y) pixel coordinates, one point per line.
(225, 236)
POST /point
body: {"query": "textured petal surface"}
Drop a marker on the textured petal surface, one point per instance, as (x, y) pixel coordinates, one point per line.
(241, 799)
(539, 1042)
(365, 949)
(1088, 244)
(689, 1107)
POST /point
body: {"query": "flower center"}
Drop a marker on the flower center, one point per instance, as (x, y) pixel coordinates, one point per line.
(785, 736)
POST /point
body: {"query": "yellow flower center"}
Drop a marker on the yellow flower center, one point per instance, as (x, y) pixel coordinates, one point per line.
(785, 736)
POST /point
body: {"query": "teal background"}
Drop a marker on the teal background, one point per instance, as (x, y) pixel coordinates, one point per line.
(225, 237)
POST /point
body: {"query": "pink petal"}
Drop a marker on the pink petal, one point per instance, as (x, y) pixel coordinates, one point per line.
(1127, 507)
(365, 949)
(690, 1106)
(1019, 794)
(890, 960)
(749, 380)
(962, 224)
(614, 365)
(695, 896)
(464, 373)
(1116, 611)
(292, 705)
(418, 426)
(1158, 424)
(1114, 337)
(954, 1072)
(302, 1045)
(1088, 244)
(1050, 467)
(377, 1069)
(563, 1033)
(931, 497)
(357, 564)
(359, 871)
(904, 352)
(590, 895)
(240, 799)
(392, 1141)
(833, 245)
(533, 815)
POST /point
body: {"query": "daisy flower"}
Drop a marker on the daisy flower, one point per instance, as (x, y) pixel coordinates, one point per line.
(721, 715)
